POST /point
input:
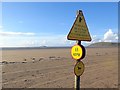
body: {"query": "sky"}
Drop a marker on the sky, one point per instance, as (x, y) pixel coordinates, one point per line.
(34, 24)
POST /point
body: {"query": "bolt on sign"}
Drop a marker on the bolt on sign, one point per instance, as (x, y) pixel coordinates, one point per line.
(79, 30)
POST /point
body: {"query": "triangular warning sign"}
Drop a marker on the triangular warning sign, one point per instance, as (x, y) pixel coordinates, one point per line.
(79, 30)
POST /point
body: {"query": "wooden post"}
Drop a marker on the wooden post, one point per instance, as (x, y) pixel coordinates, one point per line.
(77, 78)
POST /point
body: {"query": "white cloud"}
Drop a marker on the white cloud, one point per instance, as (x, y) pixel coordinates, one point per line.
(36, 41)
(94, 40)
(48, 39)
(13, 39)
(43, 43)
(3, 33)
(109, 36)
(0, 27)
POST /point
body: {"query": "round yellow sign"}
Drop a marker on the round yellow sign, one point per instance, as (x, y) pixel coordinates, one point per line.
(79, 68)
(78, 52)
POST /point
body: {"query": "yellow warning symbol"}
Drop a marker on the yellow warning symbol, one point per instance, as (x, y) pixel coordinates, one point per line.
(79, 68)
(77, 52)
(79, 30)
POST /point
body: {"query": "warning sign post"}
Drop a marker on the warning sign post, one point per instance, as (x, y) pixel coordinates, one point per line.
(79, 32)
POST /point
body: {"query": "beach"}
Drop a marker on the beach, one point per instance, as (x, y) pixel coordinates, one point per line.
(54, 68)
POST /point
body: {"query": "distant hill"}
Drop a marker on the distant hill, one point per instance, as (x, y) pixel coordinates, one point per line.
(41, 47)
(104, 44)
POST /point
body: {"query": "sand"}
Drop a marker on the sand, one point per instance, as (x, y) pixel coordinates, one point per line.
(54, 68)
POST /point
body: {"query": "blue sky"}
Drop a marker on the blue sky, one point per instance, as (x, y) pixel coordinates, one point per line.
(38, 24)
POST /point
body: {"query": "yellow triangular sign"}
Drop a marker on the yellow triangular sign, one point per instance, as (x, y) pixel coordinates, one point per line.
(79, 30)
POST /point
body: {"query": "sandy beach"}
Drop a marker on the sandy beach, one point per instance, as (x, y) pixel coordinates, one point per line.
(54, 68)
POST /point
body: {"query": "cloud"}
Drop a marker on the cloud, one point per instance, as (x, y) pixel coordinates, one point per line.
(109, 36)
(14, 39)
(3, 33)
(49, 39)
(36, 41)
(0, 27)
(94, 40)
